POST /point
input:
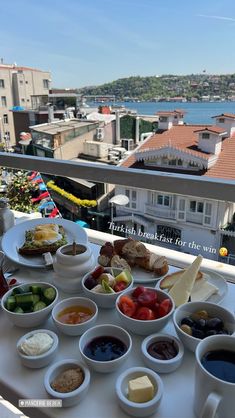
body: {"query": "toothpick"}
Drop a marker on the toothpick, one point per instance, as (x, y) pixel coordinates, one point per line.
(74, 247)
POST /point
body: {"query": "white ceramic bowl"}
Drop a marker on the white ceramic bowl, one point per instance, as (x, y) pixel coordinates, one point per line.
(162, 366)
(74, 329)
(212, 309)
(133, 408)
(32, 319)
(142, 327)
(69, 398)
(69, 269)
(106, 330)
(42, 360)
(104, 300)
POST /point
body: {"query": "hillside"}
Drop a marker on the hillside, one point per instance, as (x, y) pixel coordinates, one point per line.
(167, 86)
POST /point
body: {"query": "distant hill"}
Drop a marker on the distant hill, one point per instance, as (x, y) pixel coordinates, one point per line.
(167, 86)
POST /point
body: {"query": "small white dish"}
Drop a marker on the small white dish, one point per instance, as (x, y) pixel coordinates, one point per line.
(74, 329)
(104, 300)
(133, 408)
(69, 398)
(162, 366)
(30, 319)
(42, 360)
(212, 309)
(69, 269)
(142, 327)
(105, 330)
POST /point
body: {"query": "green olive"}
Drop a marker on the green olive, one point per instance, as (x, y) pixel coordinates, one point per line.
(200, 315)
(187, 329)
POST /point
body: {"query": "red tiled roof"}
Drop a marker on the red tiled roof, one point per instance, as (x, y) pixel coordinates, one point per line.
(170, 112)
(225, 115)
(184, 137)
(216, 129)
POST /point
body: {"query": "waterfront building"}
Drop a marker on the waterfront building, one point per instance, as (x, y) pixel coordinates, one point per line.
(22, 88)
(183, 222)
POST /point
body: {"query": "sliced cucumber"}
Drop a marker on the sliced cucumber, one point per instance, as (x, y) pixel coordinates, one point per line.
(24, 300)
(18, 309)
(39, 306)
(17, 291)
(36, 290)
(11, 303)
(49, 294)
(36, 298)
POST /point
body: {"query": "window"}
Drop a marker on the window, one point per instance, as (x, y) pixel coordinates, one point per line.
(132, 195)
(26, 82)
(168, 232)
(172, 162)
(221, 120)
(22, 100)
(163, 119)
(207, 214)
(4, 101)
(5, 118)
(46, 84)
(21, 81)
(163, 200)
(195, 206)
(142, 228)
(180, 162)
(205, 135)
(2, 84)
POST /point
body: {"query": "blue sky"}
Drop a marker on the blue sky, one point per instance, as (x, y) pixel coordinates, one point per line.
(89, 42)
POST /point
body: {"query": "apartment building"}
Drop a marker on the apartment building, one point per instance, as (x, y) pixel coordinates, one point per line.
(22, 88)
(182, 222)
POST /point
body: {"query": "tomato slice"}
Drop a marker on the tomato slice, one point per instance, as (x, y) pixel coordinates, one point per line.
(147, 298)
(127, 306)
(144, 314)
(138, 291)
(164, 307)
(120, 286)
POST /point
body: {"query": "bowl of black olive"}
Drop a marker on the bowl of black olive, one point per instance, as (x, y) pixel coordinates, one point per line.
(195, 321)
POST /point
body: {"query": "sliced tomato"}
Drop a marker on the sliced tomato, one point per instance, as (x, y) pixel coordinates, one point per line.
(144, 314)
(147, 298)
(118, 287)
(164, 307)
(138, 291)
(97, 272)
(127, 306)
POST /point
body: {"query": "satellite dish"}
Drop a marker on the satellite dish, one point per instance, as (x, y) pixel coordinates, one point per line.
(119, 199)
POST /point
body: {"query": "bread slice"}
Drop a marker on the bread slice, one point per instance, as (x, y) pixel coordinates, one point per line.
(31, 248)
(171, 279)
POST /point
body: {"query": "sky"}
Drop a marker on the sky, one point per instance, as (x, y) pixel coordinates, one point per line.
(90, 42)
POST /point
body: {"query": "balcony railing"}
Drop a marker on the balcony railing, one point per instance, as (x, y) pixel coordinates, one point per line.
(159, 212)
(196, 218)
(215, 189)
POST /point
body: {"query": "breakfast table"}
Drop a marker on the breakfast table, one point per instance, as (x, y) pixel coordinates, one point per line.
(18, 382)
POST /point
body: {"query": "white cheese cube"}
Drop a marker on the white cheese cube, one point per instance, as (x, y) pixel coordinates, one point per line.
(140, 389)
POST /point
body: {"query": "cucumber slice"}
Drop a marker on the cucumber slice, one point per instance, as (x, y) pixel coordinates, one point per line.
(36, 290)
(18, 309)
(24, 300)
(36, 298)
(49, 294)
(39, 306)
(17, 291)
(11, 303)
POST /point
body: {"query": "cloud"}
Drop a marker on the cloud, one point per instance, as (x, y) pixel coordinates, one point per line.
(230, 19)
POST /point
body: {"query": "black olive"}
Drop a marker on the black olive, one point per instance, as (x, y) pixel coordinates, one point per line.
(198, 333)
(214, 323)
(200, 324)
(187, 321)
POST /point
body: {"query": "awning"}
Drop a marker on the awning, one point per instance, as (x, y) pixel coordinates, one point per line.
(133, 218)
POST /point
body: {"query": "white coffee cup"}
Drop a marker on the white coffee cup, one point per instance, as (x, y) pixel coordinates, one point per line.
(213, 397)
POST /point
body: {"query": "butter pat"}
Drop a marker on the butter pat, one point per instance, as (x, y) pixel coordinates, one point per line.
(140, 389)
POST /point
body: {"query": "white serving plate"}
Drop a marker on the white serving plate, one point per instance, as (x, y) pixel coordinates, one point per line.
(15, 238)
(213, 278)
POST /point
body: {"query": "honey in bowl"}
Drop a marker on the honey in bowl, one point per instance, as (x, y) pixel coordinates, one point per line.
(73, 315)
